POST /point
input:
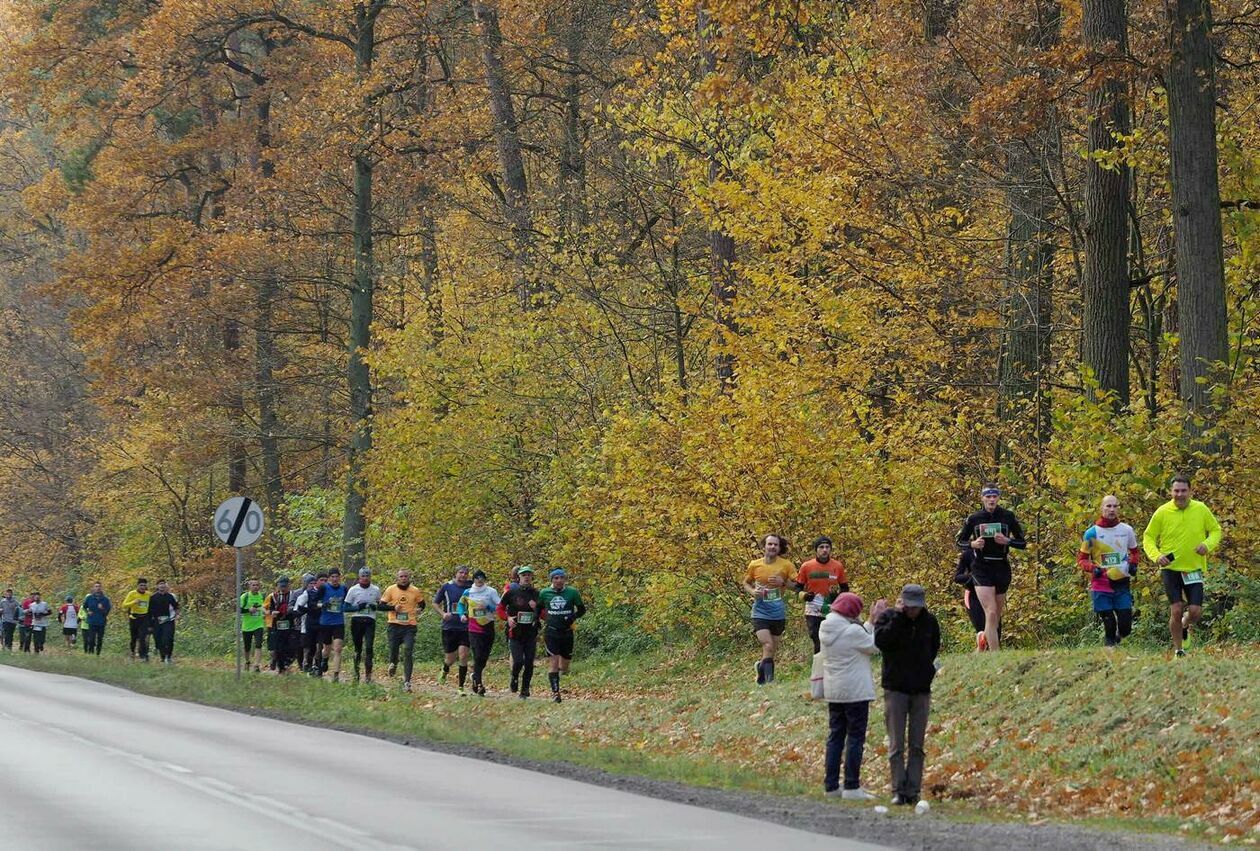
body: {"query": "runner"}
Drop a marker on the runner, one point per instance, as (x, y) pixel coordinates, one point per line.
(991, 532)
(332, 623)
(519, 607)
(279, 612)
(252, 623)
(1109, 554)
(362, 601)
(404, 602)
(454, 630)
(820, 579)
(477, 609)
(1181, 533)
(98, 607)
(308, 613)
(560, 607)
(24, 625)
(10, 614)
(765, 581)
(136, 605)
(970, 601)
(163, 610)
(68, 614)
(40, 613)
(514, 579)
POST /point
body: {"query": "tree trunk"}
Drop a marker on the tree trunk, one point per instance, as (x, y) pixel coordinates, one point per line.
(1105, 286)
(721, 244)
(363, 288)
(573, 166)
(1196, 202)
(515, 193)
(1030, 256)
(938, 16)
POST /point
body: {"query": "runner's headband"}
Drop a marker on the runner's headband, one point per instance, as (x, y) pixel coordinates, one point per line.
(990, 492)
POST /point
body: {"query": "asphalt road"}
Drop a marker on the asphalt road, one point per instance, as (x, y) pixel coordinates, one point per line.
(84, 764)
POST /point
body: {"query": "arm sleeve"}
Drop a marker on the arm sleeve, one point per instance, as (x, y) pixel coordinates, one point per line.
(1150, 538)
(888, 632)
(1084, 556)
(750, 575)
(461, 608)
(965, 534)
(1214, 531)
(1135, 554)
(936, 638)
(579, 608)
(244, 608)
(867, 643)
(1017, 534)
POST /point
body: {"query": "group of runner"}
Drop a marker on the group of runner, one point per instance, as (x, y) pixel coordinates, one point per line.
(31, 618)
(1180, 535)
(306, 627)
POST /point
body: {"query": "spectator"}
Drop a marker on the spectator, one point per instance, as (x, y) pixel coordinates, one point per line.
(848, 688)
(909, 637)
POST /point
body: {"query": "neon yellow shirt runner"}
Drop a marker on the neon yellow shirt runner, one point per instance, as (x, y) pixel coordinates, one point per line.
(1180, 532)
(249, 622)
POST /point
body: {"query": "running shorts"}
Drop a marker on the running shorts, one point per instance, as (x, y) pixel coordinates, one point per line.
(1175, 586)
(453, 639)
(775, 627)
(559, 643)
(253, 638)
(328, 633)
(993, 575)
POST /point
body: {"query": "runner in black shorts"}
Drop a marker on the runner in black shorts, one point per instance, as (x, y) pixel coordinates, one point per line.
(971, 602)
(1178, 538)
(454, 631)
(990, 533)
(560, 606)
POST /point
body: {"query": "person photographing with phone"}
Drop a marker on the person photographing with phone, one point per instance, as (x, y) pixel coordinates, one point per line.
(1178, 539)
(990, 533)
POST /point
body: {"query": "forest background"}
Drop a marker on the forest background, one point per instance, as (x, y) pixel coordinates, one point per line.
(621, 286)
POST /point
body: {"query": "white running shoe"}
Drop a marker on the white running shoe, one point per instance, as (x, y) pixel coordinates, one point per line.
(856, 795)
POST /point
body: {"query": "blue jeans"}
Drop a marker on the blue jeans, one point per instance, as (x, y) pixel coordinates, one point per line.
(848, 721)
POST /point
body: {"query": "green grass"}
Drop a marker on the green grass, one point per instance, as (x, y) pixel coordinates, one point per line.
(1114, 739)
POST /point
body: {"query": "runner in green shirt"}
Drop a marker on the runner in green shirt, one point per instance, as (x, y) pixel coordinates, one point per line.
(252, 622)
(1180, 535)
(560, 606)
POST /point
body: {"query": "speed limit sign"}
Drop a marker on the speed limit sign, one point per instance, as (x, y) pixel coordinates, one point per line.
(238, 521)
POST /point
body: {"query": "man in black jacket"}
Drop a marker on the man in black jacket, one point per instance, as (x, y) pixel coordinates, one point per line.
(990, 534)
(909, 638)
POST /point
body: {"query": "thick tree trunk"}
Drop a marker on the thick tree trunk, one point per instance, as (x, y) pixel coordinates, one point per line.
(573, 166)
(1030, 256)
(1105, 287)
(515, 191)
(1196, 202)
(362, 292)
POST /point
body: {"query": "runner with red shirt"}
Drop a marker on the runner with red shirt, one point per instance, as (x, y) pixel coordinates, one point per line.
(819, 580)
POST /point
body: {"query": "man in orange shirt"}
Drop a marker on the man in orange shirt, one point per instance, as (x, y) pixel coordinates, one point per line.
(819, 580)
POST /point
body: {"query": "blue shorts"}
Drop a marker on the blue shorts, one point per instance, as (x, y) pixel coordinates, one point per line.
(1106, 601)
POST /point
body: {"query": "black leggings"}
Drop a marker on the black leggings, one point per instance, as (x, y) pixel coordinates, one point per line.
(139, 637)
(812, 624)
(481, 643)
(9, 629)
(164, 639)
(404, 637)
(975, 611)
(1117, 624)
(363, 633)
(523, 651)
(94, 639)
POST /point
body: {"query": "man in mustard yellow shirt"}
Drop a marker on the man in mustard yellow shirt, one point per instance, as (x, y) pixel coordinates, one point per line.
(1178, 538)
(404, 602)
(136, 605)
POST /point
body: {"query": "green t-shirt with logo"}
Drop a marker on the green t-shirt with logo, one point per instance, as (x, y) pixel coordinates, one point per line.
(249, 622)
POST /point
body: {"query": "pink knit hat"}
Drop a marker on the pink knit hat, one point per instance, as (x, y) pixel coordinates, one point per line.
(847, 604)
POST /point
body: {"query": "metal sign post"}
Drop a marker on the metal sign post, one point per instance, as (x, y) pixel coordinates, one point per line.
(239, 523)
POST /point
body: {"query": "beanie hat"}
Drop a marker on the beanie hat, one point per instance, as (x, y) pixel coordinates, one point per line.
(847, 604)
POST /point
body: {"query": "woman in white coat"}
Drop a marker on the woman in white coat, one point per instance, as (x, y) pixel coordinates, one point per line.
(848, 688)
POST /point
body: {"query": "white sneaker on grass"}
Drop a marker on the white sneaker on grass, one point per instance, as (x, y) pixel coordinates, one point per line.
(858, 794)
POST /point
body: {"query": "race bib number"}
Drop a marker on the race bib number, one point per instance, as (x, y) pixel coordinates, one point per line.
(524, 618)
(813, 608)
(282, 625)
(479, 612)
(163, 618)
(401, 617)
(334, 605)
(773, 595)
(1192, 577)
(142, 607)
(989, 530)
(1112, 559)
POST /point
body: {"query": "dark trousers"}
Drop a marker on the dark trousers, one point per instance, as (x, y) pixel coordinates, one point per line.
(812, 624)
(523, 650)
(480, 643)
(139, 637)
(310, 647)
(907, 718)
(363, 633)
(39, 635)
(282, 647)
(9, 629)
(93, 639)
(404, 637)
(24, 638)
(164, 639)
(847, 735)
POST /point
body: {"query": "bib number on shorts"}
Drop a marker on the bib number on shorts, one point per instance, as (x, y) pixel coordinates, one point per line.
(1192, 577)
